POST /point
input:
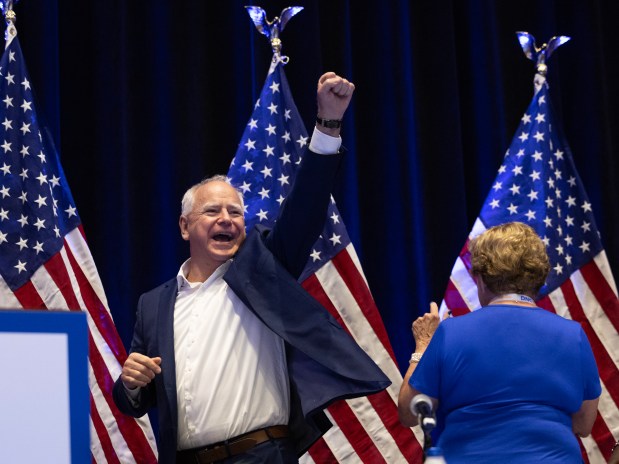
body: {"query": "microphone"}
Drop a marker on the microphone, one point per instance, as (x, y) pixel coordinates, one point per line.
(421, 406)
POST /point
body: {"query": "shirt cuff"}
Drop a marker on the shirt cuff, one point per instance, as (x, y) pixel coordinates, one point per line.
(324, 144)
(133, 395)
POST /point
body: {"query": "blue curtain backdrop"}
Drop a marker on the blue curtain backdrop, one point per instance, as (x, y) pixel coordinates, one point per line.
(146, 97)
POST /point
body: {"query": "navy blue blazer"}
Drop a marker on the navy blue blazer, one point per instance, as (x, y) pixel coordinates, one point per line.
(324, 363)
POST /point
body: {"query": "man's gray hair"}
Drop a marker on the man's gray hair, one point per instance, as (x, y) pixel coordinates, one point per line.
(190, 194)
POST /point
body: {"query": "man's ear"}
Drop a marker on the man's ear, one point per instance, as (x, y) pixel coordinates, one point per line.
(182, 224)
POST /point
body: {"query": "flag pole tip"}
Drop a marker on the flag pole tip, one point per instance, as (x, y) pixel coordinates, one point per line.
(272, 29)
(10, 17)
(540, 54)
(7, 8)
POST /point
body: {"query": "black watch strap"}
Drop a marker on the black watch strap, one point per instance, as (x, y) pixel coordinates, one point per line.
(329, 123)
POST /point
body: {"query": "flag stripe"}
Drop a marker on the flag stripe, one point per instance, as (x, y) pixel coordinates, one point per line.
(596, 316)
(313, 286)
(321, 453)
(129, 429)
(546, 303)
(102, 434)
(375, 429)
(602, 439)
(112, 427)
(109, 421)
(454, 301)
(355, 433)
(28, 297)
(406, 440)
(338, 443)
(355, 283)
(60, 276)
(607, 413)
(343, 306)
(342, 303)
(557, 304)
(465, 256)
(385, 402)
(606, 367)
(99, 314)
(101, 317)
(47, 289)
(387, 434)
(566, 298)
(461, 296)
(97, 454)
(603, 292)
(307, 458)
(601, 260)
(583, 452)
(610, 417)
(76, 240)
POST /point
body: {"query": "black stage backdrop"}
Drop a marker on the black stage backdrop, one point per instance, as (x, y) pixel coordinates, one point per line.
(144, 98)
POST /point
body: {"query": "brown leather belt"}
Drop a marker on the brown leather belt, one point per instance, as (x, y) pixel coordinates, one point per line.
(233, 446)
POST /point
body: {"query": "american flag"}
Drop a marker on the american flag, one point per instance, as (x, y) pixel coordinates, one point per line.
(365, 429)
(45, 262)
(538, 184)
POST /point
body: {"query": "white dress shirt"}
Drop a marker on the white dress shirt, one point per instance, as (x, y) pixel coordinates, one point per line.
(231, 374)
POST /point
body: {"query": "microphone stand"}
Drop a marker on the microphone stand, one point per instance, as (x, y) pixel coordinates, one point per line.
(427, 424)
(427, 442)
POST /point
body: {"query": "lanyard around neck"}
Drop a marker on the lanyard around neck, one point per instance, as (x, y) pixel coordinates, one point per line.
(515, 297)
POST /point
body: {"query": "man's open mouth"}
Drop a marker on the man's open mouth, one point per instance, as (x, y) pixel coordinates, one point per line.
(222, 237)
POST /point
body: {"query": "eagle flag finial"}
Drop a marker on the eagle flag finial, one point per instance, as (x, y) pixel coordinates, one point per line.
(540, 55)
(272, 29)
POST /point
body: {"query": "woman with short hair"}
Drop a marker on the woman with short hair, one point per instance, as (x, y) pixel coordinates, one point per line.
(510, 382)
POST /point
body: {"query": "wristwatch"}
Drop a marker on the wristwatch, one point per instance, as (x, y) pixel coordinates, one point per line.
(329, 123)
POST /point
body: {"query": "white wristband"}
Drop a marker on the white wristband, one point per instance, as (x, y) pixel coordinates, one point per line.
(415, 358)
